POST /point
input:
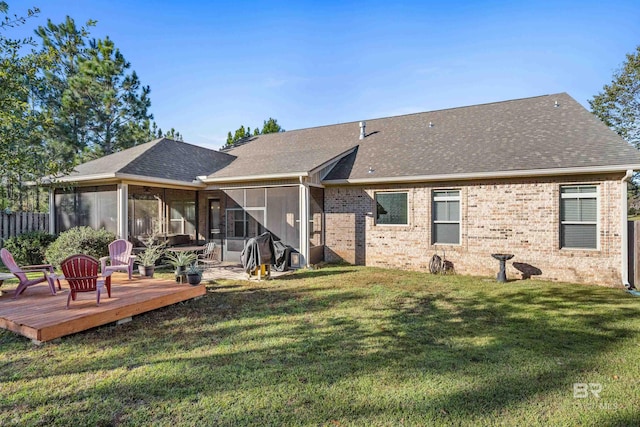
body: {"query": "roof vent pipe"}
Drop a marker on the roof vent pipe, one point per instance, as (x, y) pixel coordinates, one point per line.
(362, 132)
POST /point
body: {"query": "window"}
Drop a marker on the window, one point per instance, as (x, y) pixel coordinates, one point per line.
(446, 217)
(579, 216)
(182, 217)
(391, 208)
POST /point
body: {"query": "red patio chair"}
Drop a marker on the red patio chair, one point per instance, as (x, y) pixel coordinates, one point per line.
(81, 272)
(120, 256)
(20, 272)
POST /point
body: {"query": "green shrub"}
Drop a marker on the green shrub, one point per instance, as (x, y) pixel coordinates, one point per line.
(79, 240)
(29, 248)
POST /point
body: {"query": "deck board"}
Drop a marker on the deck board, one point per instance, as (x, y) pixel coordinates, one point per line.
(40, 316)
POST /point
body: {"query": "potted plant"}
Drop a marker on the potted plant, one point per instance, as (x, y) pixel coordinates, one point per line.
(194, 274)
(153, 251)
(180, 261)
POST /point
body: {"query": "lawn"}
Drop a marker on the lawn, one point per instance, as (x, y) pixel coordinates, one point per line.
(343, 346)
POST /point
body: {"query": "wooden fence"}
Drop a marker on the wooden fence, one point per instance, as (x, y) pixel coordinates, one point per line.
(16, 223)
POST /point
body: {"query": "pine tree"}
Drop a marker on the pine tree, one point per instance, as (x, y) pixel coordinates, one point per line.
(115, 102)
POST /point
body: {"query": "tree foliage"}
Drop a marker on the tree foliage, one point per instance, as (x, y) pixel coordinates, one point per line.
(269, 126)
(64, 99)
(22, 124)
(114, 102)
(618, 104)
(15, 20)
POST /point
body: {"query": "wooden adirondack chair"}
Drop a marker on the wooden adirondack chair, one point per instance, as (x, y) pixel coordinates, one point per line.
(20, 272)
(81, 272)
(120, 256)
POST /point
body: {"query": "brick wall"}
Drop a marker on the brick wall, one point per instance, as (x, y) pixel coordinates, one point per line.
(513, 216)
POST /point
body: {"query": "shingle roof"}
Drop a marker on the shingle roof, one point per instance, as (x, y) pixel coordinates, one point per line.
(162, 158)
(519, 135)
(524, 134)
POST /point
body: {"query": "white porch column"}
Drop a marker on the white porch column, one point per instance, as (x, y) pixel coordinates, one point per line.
(304, 222)
(52, 211)
(123, 211)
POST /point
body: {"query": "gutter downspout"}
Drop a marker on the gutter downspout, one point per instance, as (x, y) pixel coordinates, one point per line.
(624, 233)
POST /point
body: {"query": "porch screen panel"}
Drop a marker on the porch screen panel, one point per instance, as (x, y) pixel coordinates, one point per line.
(86, 208)
(65, 211)
(143, 215)
(235, 197)
(255, 197)
(255, 222)
(283, 214)
(190, 218)
(175, 218)
(316, 209)
(107, 210)
(94, 207)
(182, 217)
(235, 223)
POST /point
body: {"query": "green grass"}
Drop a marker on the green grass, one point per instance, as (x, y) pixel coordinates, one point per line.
(342, 346)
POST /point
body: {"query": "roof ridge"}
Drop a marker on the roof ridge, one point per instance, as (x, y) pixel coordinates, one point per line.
(151, 143)
(413, 114)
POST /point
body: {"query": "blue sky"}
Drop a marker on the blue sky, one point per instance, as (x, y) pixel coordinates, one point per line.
(213, 66)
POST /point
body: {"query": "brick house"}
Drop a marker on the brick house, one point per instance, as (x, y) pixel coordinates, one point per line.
(541, 178)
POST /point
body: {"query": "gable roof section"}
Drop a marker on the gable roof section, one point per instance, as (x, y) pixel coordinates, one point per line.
(287, 154)
(162, 159)
(531, 135)
(523, 136)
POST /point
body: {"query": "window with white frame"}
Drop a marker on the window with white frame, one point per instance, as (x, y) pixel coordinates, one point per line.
(446, 217)
(579, 216)
(392, 208)
(182, 217)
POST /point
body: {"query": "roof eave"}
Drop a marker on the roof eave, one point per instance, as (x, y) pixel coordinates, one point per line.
(162, 181)
(266, 177)
(486, 175)
(110, 177)
(83, 178)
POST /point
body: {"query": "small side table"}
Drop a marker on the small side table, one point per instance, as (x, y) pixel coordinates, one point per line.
(502, 274)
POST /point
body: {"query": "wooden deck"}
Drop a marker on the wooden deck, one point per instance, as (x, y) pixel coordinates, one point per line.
(40, 316)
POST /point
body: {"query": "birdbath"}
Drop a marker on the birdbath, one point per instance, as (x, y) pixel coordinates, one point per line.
(502, 274)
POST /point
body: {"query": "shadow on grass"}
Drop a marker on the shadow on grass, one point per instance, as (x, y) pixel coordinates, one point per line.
(313, 274)
(315, 341)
